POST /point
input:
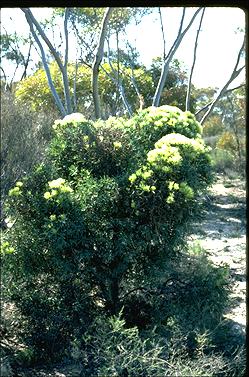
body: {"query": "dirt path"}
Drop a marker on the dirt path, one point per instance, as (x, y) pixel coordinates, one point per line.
(222, 233)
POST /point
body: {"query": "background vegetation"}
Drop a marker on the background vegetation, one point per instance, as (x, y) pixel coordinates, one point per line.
(95, 214)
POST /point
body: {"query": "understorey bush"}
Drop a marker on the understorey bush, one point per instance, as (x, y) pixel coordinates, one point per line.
(109, 348)
(25, 135)
(101, 216)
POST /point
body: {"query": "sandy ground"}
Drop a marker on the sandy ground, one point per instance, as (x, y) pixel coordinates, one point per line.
(222, 233)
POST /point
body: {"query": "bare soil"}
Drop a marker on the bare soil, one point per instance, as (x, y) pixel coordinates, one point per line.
(222, 233)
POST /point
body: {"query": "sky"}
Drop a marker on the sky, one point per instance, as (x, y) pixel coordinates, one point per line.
(218, 44)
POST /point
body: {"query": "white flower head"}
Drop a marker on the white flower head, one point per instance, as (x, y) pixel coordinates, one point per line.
(74, 117)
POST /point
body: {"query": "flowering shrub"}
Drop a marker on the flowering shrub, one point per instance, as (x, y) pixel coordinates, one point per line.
(151, 124)
(108, 207)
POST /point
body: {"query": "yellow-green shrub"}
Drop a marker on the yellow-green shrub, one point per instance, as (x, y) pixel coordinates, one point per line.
(108, 207)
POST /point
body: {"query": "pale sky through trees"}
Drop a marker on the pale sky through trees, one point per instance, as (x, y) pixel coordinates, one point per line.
(218, 44)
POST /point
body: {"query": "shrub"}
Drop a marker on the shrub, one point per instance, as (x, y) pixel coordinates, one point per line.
(108, 207)
(222, 160)
(25, 135)
(191, 291)
(227, 142)
(109, 348)
(233, 145)
(213, 126)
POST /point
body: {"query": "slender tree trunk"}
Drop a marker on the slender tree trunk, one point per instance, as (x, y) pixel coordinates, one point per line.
(46, 67)
(97, 61)
(120, 82)
(193, 64)
(4, 75)
(236, 134)
(120, 89)
(26, 63)
(169, 57)
(64, 72)
(62, 67)
(209, 103)
(163, 35)
(74, 86)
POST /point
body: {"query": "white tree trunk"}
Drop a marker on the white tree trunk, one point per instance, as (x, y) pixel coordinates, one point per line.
(165, 68)
(46, 67)
(62, 67)
(97, 61)
(193, 64)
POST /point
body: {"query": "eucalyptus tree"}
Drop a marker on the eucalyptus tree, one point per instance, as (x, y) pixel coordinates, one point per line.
(194, 61)
(38, 33)
(16, 50)
(168, 58)
(97, 61)
(94, 36)
(95, 31)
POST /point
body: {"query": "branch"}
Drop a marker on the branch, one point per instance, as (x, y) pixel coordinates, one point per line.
(97, 61)
(66, 35)
(27, 61)
(44, 37)
(179, 33)
(133, 80)
(74, 85)
(4, 75)
(234, 75)
(46, 67)
(55, 54)
(236, 87)
(170, 56)
(11, 81)
(193, 64)
(163, 35)
(209, 103)
(119, 82)
(64, 71)
(203, 108)
(83, 42)
(120, 88)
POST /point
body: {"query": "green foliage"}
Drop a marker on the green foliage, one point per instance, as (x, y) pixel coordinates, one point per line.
(223, 160)
(151, 124)
(213, 126)
(107, 208)
(109, 348)
(204, 284)
(117, 350)
(175, 88)
(227, 142)
(34, 90)
(224, 130)
(88, 18)
(11, 48)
